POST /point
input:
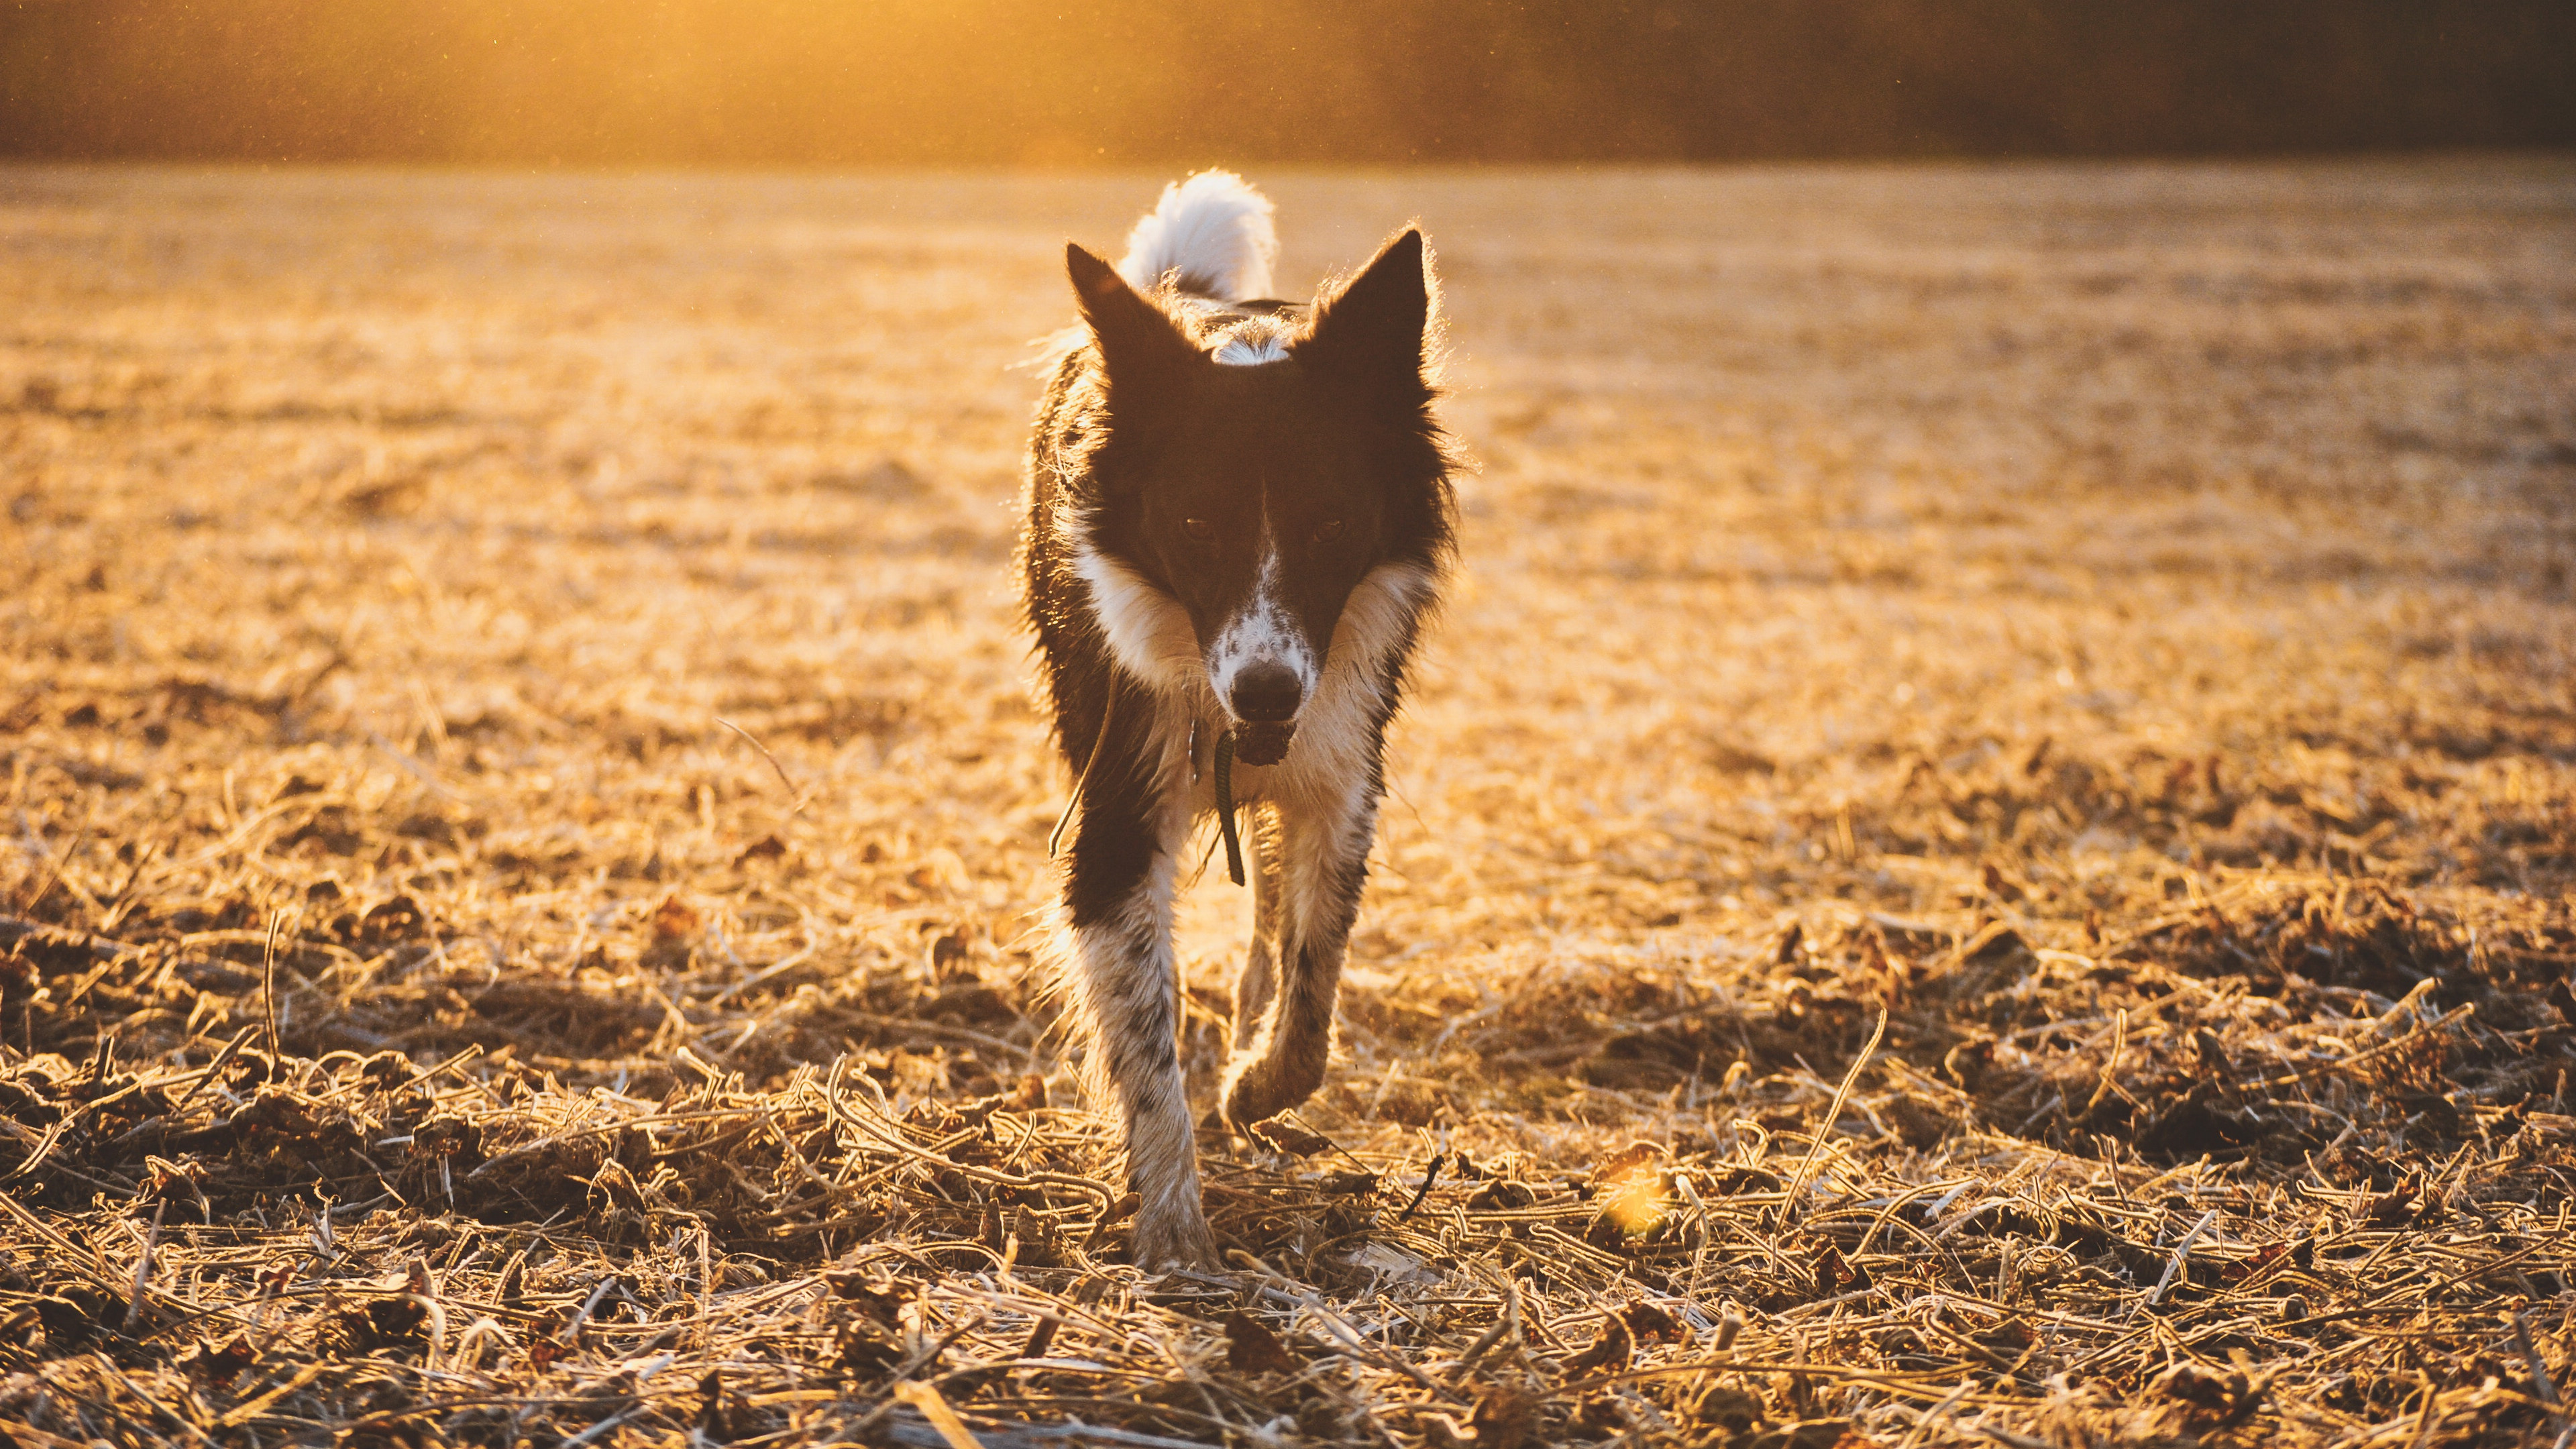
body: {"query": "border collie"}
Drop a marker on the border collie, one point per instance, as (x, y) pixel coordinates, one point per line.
(1239, 514)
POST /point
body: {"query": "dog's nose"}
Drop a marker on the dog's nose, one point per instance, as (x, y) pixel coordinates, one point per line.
(1266, 692)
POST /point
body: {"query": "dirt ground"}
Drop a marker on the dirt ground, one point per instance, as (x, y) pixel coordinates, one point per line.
(524, 825)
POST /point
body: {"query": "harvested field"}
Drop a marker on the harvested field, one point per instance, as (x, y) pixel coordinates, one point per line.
(1987, 852)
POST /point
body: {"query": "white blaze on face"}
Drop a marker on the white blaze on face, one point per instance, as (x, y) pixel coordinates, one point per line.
(1251, 349)
(1263, 629)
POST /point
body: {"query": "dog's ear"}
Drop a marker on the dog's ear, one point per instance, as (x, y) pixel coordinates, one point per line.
(1371, 334)
(1139, 341)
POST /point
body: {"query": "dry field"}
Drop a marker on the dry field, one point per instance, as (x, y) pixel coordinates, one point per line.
(2118, 623)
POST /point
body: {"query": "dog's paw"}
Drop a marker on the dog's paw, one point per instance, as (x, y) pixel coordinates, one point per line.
(1260, 1088)
(1175, 1238)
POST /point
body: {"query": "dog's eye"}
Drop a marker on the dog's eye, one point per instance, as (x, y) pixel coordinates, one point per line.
(1198, 528)
(1328, 530)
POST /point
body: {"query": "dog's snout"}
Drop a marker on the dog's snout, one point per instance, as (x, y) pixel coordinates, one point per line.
(1266, 692)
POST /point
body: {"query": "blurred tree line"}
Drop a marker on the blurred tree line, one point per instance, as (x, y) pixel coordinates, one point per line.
(984, 82)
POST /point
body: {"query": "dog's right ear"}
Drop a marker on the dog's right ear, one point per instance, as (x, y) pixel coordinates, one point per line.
(1139, 341)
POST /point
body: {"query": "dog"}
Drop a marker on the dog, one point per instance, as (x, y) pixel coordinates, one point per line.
(1239, 518)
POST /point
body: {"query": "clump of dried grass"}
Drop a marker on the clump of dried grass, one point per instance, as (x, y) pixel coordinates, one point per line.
(360, 1245)
(2029, 910)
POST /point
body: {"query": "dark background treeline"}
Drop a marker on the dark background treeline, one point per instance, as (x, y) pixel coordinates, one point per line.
(1050, 82)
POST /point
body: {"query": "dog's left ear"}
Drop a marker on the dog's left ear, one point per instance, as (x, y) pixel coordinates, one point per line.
(1371, 333)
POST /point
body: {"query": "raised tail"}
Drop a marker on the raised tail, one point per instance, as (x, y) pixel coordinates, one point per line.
(1210, 235)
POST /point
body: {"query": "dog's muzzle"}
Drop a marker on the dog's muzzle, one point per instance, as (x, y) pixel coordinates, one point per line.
(1263, 744)
(1264, 701)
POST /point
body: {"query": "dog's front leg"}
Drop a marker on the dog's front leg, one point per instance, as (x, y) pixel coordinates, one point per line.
(1118, 902)
(1315, 865)
(1260, 978)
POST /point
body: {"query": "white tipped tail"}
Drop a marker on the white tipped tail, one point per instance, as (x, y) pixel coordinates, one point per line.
(1211, 235)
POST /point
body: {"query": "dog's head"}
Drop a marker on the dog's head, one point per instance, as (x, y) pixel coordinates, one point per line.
(1259, 482)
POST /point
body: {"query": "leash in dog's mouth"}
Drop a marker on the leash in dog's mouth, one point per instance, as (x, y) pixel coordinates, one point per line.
(1263, 743)
(1255, 744)
(1260, 744)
